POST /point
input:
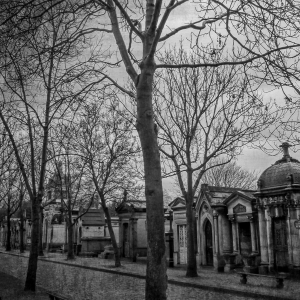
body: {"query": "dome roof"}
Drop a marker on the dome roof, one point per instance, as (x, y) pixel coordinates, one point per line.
(284, 172)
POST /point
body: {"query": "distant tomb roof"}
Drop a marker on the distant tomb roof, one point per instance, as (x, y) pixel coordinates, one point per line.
(94, 217)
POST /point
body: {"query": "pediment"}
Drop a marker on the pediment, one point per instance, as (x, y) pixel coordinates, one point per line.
(177, 203)
(237, 196)
(238, 204)
(239, 208)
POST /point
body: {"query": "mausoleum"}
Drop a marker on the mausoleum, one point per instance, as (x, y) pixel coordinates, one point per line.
(227, 230)
(278, 203)
(132, 228)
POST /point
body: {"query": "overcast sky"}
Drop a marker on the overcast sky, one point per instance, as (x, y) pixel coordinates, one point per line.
(251, 159)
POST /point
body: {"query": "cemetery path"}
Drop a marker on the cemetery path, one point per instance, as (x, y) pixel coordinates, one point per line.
(11, 288)
(83, 278)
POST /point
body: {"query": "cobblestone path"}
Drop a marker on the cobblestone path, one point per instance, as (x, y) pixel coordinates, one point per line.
(97, 279)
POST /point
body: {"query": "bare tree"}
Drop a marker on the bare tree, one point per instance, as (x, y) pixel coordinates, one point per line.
(12, 185)
(107, 148)
(76, 192)
(11, 191)
(10, 199)
(41, 77)
(230, 175)
(204, 114)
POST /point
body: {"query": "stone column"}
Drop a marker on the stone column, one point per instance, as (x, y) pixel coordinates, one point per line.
(134, 239)
(253, 235)
(270, 239)
(264, 255)
(220, 233)
(219, 261)
(234, 235)
(296, 259)
(227, 241)
(290, 236)
(238, 242)
(227, 247)
(216, 231)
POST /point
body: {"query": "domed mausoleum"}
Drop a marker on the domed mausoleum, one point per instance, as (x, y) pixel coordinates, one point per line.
(278, 204)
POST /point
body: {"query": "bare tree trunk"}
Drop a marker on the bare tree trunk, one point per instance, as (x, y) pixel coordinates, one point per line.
(33, 256)
(112, 235)
(191, 270)
(41, 251)
(70, 233)
(21, 198)
(8, 235)
(156, 279)
(22, 248)
(70, 242)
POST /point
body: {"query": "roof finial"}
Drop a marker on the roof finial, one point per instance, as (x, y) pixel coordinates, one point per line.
(285, 147)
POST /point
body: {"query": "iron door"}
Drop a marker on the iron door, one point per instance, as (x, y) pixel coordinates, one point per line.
(280, 244)
(208, 244)
(182, 244)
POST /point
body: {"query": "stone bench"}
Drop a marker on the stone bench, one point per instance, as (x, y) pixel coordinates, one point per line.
(56, 296)
(279, 278)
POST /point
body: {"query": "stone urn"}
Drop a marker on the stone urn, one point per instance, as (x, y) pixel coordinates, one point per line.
(249, 263)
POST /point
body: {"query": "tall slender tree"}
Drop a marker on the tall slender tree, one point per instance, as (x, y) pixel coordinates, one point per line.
(47, 60)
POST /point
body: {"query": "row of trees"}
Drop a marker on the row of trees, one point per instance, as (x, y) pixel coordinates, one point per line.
(55, 116)
(193, 105)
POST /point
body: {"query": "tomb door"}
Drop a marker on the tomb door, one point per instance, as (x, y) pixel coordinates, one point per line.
(208, 244)
(280, 244)
(125, 240)
(245, 238)
(182, 244)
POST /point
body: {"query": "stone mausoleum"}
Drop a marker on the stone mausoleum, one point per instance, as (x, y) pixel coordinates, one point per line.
(255, 229)
(278, 204)
(226, 227)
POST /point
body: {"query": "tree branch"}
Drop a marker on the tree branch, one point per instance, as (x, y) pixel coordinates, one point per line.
(226, 63)
(120, 41)
(128, 20)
